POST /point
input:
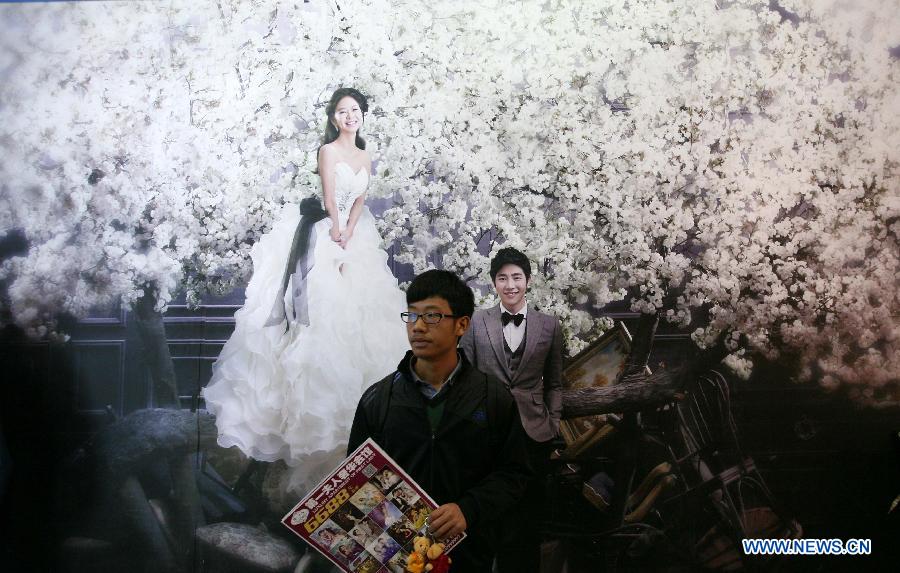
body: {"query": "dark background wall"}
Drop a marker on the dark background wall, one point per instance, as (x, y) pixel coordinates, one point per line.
(829, 463)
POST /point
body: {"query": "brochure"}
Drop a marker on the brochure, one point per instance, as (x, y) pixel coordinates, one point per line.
(365, 514)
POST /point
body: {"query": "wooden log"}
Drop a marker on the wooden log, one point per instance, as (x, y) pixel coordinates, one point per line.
(146, 534)
(242, 547)
(653, 390)
(641, 345)
(638, 390)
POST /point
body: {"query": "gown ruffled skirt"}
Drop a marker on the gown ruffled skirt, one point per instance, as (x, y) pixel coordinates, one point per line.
(291, 395)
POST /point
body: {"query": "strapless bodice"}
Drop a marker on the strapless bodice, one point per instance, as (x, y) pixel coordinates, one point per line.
(348, 186)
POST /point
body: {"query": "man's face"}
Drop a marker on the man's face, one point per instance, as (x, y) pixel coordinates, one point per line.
(511, 284)
(434, 341)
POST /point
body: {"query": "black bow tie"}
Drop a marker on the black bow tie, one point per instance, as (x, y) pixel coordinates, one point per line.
(515, 318)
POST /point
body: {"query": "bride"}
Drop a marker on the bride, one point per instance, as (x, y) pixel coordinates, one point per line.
(321, 319)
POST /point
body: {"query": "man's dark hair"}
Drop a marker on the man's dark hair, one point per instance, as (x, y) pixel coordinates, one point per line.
(510, 256)
(446, 285)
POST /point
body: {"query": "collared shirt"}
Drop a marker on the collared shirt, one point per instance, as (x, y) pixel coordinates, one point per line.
(427, 389)
(512, 333)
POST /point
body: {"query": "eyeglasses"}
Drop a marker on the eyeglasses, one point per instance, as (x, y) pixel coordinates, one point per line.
(428, 317)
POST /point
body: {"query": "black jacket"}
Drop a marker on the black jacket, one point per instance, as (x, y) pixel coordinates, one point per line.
(476, 458)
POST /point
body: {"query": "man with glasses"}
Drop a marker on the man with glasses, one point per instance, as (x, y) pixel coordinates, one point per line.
(453, 429)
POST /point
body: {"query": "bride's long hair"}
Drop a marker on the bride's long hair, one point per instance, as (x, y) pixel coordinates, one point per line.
(331, 132)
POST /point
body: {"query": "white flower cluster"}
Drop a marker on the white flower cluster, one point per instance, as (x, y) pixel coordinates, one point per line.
(730, 165)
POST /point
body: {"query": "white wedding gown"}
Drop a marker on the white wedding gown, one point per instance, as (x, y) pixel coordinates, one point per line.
(291, 395)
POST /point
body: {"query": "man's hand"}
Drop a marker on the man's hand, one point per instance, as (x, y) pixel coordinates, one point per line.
(447, 521)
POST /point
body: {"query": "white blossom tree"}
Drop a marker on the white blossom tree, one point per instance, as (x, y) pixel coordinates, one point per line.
(729, 165)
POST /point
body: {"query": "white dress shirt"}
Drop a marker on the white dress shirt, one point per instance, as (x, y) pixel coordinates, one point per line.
(512, 333)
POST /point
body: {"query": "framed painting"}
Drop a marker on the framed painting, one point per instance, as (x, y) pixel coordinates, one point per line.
(600, 364)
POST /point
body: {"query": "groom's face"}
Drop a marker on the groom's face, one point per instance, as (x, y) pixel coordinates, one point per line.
(510, 283)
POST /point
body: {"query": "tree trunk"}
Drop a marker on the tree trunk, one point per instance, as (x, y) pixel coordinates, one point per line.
(641, 391)
(187, 513)
(625, 397)
(152, 331)
(147, 536)
(641, 345)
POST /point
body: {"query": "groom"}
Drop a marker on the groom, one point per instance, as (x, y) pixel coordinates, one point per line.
(523, 348)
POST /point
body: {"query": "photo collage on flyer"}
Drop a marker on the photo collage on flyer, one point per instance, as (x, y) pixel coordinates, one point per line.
(365, 515)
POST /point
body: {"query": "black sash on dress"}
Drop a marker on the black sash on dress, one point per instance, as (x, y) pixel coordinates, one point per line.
(299, 263)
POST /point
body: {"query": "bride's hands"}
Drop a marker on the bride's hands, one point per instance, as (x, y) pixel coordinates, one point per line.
(345, 237)
(336, 234)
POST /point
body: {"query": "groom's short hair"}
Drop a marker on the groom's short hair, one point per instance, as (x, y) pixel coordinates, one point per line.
(510, 256)
(446, 285)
